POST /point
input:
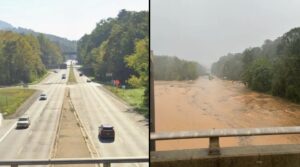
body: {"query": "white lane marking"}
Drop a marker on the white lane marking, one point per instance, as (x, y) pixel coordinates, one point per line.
(29, 133)
(20, 150)
(120, 139)
(11, 128)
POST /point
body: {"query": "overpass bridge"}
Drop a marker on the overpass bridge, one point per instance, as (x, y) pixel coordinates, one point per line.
(214, 156)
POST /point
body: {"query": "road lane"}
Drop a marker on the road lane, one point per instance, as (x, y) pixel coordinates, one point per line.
(96, 107)
(37, 140)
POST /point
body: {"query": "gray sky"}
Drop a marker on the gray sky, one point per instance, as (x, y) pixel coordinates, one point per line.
(204, 30)
(66, 18)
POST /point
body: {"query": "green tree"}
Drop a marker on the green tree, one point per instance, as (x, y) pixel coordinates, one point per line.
(104, 50)
(50, 52)
(274, 67)
(139, 62)
(261, 75)
(173, 68)
(19, 58)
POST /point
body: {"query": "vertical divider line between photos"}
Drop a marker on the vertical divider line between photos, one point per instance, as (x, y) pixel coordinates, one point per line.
(152, 104)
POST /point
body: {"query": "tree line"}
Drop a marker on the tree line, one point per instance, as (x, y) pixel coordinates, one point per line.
(173, 68)
(66, 46)
(272, 68)
(118, 47)
(23, 58)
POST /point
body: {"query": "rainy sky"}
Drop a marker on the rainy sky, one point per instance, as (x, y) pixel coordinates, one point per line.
(204, 30)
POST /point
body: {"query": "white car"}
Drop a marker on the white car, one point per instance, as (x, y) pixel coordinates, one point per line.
(23, 122)
(43, 96)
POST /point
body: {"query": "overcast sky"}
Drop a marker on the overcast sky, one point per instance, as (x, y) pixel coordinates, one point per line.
(204, 30)
(66, 18)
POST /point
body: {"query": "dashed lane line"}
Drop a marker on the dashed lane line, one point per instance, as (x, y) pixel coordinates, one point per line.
(10, 129)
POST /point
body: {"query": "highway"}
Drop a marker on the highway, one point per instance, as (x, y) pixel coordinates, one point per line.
(95, 106)
(37, 140)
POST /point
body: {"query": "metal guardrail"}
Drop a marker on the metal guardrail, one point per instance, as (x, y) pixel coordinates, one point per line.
(215, 134)
(69, 161)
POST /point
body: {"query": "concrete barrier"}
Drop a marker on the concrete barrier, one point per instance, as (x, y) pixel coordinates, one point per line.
(260, 156)
(215, 134)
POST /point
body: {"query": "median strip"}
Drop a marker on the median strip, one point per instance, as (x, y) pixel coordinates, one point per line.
(72, 79)
(70, 142)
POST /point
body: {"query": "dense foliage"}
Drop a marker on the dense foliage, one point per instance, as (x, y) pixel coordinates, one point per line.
(22, 57)
(173, 68)
(66, 46)
(51, 53)
(272, 68)
(104, 50)
(118, 46)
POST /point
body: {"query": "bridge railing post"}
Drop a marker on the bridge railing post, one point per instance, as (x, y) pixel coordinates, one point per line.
(106, 164)
(214, 146)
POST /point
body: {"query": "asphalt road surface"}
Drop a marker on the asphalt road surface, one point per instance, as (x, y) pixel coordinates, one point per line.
(36, 141)
(96, 106)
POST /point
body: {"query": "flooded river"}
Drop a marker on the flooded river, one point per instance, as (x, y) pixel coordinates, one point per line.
(207, 104)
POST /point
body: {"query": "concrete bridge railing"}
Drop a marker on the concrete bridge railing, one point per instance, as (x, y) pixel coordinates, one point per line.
(215, 134)
(72, 161)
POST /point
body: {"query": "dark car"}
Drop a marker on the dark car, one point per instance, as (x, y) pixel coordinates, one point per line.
(106, 132)
(43, 97)
(63, 76)
(80, 74)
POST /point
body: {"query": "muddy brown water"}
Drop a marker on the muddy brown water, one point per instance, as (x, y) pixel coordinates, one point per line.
(207, 104)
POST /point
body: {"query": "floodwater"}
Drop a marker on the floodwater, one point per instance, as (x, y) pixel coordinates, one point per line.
(206, 104)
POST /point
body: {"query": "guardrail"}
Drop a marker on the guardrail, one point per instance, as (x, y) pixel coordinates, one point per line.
(215, 134)
(69, 161)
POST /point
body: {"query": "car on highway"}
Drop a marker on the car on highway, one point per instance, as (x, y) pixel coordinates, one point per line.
(23, 122)
(43, 96)
(80, 74)
(88, 80)
(63, 76)
(106, 131)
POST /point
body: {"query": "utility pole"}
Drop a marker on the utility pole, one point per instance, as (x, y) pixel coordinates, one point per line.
(152, 104)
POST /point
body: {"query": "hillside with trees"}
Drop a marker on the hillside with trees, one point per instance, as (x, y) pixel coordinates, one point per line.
(23, 58)
(50, 52)
(172, 68)
(118, 46)
(272, 68)
(104, 50)
(66, 46)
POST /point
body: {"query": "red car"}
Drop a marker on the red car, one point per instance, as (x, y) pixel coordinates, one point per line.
(106, 132)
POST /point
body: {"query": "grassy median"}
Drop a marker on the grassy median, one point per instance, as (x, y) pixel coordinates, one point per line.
(134, 97)
(71, 79)
(11, 99)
